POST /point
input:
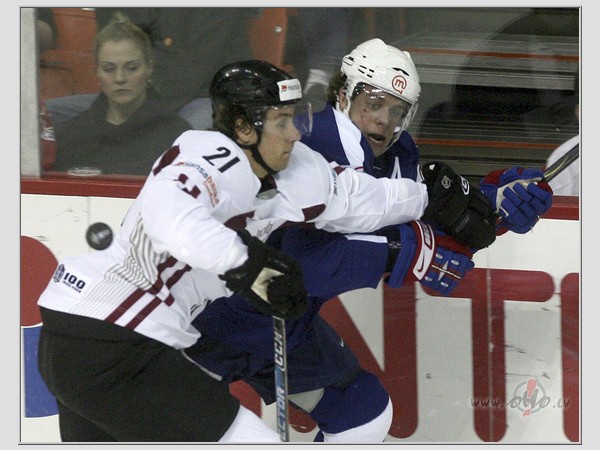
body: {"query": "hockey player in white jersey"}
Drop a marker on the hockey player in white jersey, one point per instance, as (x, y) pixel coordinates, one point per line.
(114, 321)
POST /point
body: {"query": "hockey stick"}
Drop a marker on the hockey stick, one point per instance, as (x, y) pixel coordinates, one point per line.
(561, 164)
(281, 387)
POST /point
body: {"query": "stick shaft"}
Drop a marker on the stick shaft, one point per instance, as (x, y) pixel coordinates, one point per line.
(281, 388)
(562, 163)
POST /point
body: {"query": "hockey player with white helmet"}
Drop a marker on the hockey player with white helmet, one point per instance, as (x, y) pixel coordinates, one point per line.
(378, 69)
(115, 321)
(371, 102)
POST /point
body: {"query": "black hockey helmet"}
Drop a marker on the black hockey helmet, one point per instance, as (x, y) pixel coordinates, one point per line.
(253, 83)
(253, 86)
(248, 89)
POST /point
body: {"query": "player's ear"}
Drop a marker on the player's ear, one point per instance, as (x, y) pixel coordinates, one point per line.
(245, 133)
(342, 98)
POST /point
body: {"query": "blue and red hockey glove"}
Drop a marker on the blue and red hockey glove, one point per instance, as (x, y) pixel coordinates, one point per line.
(434, 259)
(519, 195)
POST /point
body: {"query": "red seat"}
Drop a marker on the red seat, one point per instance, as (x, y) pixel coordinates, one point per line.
(69, 68)
(268, 36)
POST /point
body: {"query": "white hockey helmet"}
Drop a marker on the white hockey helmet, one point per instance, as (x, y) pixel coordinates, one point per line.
(384, 67)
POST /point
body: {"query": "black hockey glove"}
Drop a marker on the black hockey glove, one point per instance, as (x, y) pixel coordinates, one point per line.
(457, 208)
(269, 279)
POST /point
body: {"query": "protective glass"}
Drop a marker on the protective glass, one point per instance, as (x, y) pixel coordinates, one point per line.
(287, 119)
(378, 104)
(303, 118)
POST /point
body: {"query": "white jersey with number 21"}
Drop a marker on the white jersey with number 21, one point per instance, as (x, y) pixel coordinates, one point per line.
(179, 234)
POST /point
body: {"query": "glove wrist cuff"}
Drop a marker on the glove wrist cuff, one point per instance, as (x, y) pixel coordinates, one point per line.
(416, 252)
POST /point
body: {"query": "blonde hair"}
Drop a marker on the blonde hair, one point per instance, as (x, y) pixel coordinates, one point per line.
(121, 28)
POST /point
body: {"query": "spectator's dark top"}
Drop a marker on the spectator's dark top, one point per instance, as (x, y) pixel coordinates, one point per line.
(46, 15)
(131, 148)
(190, 45)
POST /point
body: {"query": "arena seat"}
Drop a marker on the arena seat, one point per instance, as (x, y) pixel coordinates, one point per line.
(68, 68)
(268, 35)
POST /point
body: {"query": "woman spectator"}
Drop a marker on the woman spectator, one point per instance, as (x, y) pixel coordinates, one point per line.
(126, 128)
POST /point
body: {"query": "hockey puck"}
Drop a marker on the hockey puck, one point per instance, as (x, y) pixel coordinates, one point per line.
(99, 236)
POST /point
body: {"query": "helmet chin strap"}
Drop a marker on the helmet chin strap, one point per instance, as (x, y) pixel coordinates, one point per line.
(395, 137)
(257, 156)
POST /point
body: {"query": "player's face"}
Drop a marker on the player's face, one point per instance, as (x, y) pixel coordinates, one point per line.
(378, 114)
(123, 73)
(282, 127)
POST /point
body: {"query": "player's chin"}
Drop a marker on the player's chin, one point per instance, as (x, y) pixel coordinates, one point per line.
(283, 162)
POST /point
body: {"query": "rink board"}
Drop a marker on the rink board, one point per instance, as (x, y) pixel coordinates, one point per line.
(498, 361)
